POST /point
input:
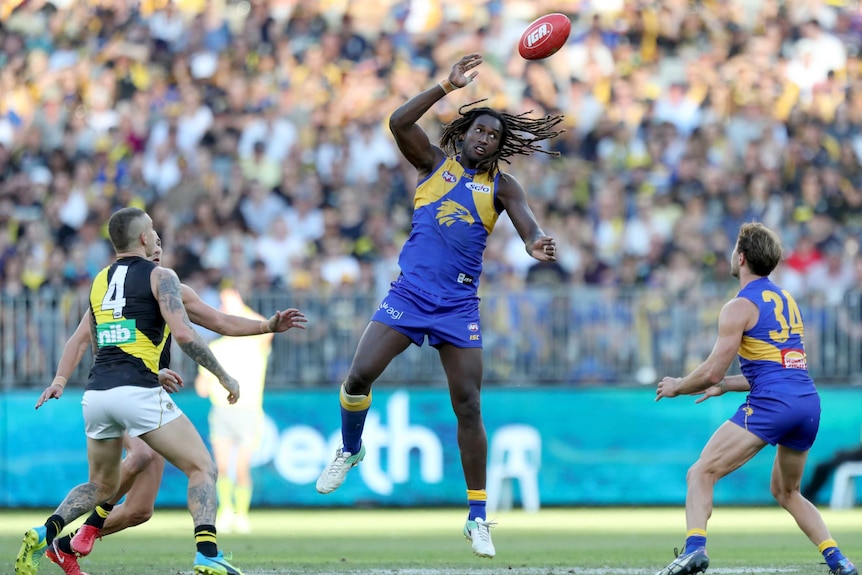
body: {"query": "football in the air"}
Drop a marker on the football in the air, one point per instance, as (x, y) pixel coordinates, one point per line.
(544, 36)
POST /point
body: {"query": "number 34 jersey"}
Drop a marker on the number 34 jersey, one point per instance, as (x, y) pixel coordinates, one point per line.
(129, 327)
(772, 355)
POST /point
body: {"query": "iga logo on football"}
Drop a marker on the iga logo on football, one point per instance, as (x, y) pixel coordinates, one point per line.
(539, 35)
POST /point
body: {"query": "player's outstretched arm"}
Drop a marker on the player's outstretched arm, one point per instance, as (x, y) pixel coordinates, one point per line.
(736, 316)
(203, 314)
(729, 383)
(166, 289)
(73, 353)
(411, 139)
(514, 199)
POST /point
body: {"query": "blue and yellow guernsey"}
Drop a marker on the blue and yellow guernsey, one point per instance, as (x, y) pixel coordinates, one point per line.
(772, 355)
(130, 330)
(454, 211)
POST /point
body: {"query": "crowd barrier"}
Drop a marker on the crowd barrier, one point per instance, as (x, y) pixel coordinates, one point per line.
(553, 446)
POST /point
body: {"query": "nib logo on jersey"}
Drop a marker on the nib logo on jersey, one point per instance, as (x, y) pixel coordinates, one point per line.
(116, 333)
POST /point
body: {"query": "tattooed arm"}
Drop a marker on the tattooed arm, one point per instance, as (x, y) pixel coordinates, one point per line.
(166, 289)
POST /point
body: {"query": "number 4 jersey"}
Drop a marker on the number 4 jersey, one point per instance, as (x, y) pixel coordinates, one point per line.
(129, 327)
(772, 355)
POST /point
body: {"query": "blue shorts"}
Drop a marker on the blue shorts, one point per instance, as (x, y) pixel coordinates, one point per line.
(784, 420)
(417, 313)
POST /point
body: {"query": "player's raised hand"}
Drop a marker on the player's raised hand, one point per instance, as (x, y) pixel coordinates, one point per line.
(284, 320)
(667, 387)
(232, 387)
(170, 380)
(53, 391)
(459, 76)
(544, 249)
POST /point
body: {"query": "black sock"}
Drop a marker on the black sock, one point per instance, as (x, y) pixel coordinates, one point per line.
(53, 526)
(205, 539)
(64, 543)
(98, 516)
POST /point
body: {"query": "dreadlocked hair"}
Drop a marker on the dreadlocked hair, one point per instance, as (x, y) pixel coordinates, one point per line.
(520, 134)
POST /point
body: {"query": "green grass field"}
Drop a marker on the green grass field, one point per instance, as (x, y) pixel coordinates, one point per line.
(429, 542)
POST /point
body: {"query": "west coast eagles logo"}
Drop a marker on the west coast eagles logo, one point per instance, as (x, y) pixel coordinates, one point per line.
(450, 212)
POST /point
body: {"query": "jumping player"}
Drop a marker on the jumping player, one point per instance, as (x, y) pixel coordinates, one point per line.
(460, 194)
(762, 325)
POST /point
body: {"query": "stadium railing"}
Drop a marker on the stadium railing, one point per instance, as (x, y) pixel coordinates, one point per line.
(538, 336)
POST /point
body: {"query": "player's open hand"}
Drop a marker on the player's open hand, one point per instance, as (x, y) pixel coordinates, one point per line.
(232, 387)
(284, 320)
(667, 387)
(170, 380)
(713, 391)
(53, 391)
(544, 249)
(459, 76)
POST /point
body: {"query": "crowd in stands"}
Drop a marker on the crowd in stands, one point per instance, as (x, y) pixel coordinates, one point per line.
(255, 134)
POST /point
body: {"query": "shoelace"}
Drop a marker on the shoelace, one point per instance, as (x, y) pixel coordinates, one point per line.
(484, 534)
(338, 464)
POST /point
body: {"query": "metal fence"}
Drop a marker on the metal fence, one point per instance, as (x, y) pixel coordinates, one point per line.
(583, 336)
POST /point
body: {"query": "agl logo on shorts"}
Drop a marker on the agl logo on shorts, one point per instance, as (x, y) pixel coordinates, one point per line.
(116, 333)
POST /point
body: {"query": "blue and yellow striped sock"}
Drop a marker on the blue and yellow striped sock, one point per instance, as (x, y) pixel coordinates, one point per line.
(829, 550)
(694, 539)
(354, 409)
(477, 499)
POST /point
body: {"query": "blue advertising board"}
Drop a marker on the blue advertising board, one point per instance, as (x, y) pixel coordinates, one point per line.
(570, 446)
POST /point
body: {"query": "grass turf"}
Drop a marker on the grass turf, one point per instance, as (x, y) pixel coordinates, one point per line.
(429, 542)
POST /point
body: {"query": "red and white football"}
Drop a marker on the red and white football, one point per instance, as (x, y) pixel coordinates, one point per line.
(544, 36)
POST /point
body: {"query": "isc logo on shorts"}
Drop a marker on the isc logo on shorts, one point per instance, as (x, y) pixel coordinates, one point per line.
(116, 333)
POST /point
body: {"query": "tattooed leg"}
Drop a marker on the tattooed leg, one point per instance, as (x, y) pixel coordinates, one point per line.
(104, 457)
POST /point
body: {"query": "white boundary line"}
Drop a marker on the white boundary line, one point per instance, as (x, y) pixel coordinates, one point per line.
(522, 571)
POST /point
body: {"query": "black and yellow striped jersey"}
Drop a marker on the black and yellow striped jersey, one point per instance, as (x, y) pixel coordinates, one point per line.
(130, 330)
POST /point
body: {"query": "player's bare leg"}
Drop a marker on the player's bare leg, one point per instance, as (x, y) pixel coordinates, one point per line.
(222, 452)
(141, 496)
(463, 368)
(181, 444)
(787, 472)
(378, 346)
(243, 488)
(727, 450)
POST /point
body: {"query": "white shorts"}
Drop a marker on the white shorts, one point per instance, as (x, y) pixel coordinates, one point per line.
(242, 427)
(136, 410)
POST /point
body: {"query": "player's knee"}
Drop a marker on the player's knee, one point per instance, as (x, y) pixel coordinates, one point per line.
(139, 515)
(467, 407)
(782, 492)
(106, 487)
(358, 382)
(696, 472)
(137, 461)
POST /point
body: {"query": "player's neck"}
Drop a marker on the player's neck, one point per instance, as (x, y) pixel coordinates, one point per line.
(746, 277)
(131, 254)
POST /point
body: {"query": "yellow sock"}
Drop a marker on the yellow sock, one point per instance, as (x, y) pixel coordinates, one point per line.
(225, 490)
(242, 500)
